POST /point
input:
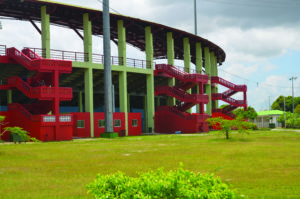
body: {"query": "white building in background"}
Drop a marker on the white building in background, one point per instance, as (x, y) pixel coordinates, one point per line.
(264, 118)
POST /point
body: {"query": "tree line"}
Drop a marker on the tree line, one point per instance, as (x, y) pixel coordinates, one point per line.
(278, 104)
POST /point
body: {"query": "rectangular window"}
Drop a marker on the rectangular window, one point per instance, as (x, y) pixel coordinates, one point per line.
(49, 119)
(117, 123)
(101, 123)
(134, 123)
(80, 123)
(65, 118)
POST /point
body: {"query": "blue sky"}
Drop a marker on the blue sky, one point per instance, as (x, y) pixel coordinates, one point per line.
(261, 38)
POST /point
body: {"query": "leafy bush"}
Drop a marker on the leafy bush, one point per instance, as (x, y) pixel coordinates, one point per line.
(252, 126)
(265, 129)
(21, 133)
(158, 184)
(226, 126)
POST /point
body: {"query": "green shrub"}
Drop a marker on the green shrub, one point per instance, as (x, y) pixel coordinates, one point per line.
(272, 125)
(264, 129)
(158, 184)
(252, 126)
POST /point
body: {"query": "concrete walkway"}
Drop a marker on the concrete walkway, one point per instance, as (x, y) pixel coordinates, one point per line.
(286, 130)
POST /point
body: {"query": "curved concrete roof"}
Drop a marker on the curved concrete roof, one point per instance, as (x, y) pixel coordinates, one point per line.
(70, 16)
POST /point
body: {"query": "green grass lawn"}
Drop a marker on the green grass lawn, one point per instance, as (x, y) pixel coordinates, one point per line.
(263, 164)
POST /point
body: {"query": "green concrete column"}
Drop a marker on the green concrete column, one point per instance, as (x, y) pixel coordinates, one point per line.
(199, 70)
(150, 79)
(122, 42)
(149, 45)
(187, 60)
(9, 96)
(45, 24)
(89, 93)
(128, 102)
(87, 40)
(208, 72)
(158, 101)
(170, 56)
(187, 54)
(123, 95)
(88, 73)
(150, 101)
(214, 73)
(80, 102)
(217, 74)
(145, 114)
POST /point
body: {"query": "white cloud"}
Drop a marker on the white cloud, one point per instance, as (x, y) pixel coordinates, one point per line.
(256, 45)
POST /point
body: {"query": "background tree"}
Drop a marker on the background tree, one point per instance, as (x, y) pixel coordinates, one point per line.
(278, 104)
(297, 109)
(292, 120)
(227, 125)
(249, 114)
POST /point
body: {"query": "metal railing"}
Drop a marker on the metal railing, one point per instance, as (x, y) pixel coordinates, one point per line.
(228, 84)
(137, 63)
(96, 58)
(227, 99)
(61, 55)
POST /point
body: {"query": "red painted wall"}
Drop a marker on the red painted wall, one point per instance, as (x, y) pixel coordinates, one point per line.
(101, 116)
(85, 132)
(82, 132)
(169, 123)
(134, 130)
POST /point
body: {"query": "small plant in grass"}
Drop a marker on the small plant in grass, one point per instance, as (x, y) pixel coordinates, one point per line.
(227, 125)
(159, 184)
(2, 118)
(21, 133)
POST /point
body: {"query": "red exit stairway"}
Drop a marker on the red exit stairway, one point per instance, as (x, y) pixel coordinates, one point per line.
(226, 97)
(169, 119)
(40, 118)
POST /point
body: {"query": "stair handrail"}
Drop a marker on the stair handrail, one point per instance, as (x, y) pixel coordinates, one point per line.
(227, 83)
(171, 69)
(172, 110)
(20, 109)
(13, 52)
(31, 54)
(18, 82)
(182, 94)
(228, 99)
(228, 92)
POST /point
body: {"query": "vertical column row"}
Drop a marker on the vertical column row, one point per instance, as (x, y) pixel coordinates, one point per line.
(123, 96)
(149, 79)
(170, 56)
(88, 72)
(213, 74)
(45, 20)
(187, 60)
(199, 63)
(208, 86)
